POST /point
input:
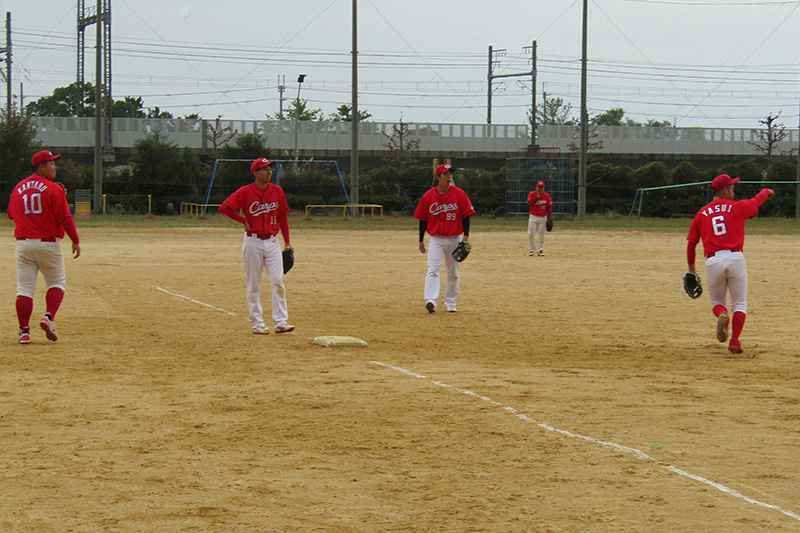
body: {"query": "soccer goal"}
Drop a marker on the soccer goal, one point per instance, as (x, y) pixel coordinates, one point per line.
(285, 168)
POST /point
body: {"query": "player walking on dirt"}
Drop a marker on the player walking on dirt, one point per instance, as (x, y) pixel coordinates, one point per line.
(720, 225)
(541, 210)
(41, 216)
(444, 212)
(265, 213)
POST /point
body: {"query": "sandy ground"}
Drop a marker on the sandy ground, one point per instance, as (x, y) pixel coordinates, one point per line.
(581, 391)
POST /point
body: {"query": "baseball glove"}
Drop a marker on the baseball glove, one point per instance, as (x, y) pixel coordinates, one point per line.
(288, 259)
(462, 251)
(549, 224)
(692, 285)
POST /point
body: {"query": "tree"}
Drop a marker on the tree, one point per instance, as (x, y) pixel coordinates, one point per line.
(155, 112)
(300, 110)
(219, 136)
(402, 150)
(553, 112)
(128, 107)
(344, 113)
(64, 103)
(17, 145)
(768, 140)
(612, 117)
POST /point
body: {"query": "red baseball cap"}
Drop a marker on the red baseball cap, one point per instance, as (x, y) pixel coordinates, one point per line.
(722, 181)
(43, 157)
(260, 163)
(540, 184)
(441, 169)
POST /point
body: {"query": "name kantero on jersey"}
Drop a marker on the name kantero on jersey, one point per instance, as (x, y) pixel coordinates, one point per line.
(719, 208)
(38, 185)
(257, 208)
(438, 209)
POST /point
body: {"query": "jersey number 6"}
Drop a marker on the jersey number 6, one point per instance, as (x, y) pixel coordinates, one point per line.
(718, 223)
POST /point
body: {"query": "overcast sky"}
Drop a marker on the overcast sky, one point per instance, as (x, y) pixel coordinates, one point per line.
(712, 63)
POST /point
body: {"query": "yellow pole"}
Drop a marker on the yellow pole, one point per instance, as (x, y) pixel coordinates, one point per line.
(149, 204)
(104, 205)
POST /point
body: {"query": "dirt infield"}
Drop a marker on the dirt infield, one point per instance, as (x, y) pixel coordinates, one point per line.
(581, 391)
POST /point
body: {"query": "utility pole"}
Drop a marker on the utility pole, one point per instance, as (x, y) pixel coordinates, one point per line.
(300, 79)
(494, 60)
(281, 88)
(354, 110)
(584, 119)
(7, 50)
(101, 17)
(98, 123)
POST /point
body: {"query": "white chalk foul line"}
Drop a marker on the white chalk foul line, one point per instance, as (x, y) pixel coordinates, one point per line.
(618, 447)
(196, 301)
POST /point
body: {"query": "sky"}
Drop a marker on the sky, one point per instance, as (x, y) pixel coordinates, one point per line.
(693, 63)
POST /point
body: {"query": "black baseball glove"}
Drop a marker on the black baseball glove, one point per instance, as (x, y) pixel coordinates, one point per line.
(288, 259)
(692, 285)
(549, 224)
(462, 251)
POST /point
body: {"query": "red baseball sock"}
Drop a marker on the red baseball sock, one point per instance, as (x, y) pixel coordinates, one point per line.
(719, 310)
(24, 311)
(53, 298)
(738, 323)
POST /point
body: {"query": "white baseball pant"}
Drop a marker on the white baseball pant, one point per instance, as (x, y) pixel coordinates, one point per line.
(536, 230)
(727, 272)
(264, 254)
(34, 255)
(441, 249)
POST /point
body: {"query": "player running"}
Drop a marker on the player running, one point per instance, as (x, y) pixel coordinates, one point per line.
(41, 216)
(265, 213)
(720, 225)
(444, 212)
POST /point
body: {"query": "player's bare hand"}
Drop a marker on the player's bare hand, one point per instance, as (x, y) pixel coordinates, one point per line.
(770, 194)
(422, 247)
(76, 250)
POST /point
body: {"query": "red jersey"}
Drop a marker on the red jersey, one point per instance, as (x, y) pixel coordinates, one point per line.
(444, 212)
(261, 208)
(720, 224)
(541, 206)
(39, 209)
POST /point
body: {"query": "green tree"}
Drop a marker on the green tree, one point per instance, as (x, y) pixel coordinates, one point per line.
(164, 170)
(344, 113)
(64, 102)
(128, 107)
(612, 117)
(651, 175)
(685, 172)
(300, 110)
(17, 145)
(155, 112)
(554, 111)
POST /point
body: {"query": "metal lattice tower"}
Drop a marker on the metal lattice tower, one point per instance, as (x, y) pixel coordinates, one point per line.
(87, 17)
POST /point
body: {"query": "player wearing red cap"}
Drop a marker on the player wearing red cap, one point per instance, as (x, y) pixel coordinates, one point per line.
(264, 206)
(541, 210)
(41, 216)
(444, 213)
(720, 225)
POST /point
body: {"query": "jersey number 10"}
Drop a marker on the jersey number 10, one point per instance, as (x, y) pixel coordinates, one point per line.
(32, 203)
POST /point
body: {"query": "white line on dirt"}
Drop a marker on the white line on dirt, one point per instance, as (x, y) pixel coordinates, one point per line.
(620, 448)
(195, 301)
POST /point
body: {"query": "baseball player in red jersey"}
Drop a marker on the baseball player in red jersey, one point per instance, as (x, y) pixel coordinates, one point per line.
(41, 216)
(444, 213)
(264, 206)
(720, 225)
(541, 210)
